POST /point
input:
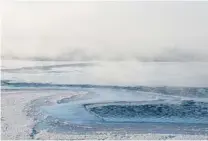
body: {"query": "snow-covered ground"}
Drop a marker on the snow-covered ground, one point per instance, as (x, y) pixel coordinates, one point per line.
(14, 123)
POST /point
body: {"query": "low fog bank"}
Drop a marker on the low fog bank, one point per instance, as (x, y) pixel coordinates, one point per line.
(162, 55)
(109, 31)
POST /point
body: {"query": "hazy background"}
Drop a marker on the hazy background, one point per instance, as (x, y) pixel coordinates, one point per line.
(145, 31)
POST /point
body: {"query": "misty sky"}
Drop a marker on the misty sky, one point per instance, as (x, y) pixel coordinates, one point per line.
(105, 30)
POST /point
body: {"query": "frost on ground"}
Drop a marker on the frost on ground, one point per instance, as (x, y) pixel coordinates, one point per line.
(44, 135)
(16, 125)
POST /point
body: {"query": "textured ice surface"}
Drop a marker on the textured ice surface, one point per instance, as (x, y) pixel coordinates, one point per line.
(185, 112)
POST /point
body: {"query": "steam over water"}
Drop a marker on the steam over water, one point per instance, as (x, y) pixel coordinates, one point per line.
(85, 31)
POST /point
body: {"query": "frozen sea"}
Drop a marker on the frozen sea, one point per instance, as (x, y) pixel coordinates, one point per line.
(104, 100)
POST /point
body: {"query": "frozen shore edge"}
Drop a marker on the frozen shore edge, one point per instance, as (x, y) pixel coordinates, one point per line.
(16, 125)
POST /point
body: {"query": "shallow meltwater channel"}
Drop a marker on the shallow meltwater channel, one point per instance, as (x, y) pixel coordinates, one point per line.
(130, 109)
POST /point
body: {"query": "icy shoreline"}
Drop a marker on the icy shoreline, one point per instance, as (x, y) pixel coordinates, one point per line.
(16, 125)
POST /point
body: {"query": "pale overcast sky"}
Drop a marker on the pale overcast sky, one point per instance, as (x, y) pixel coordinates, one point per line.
(105, 30)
